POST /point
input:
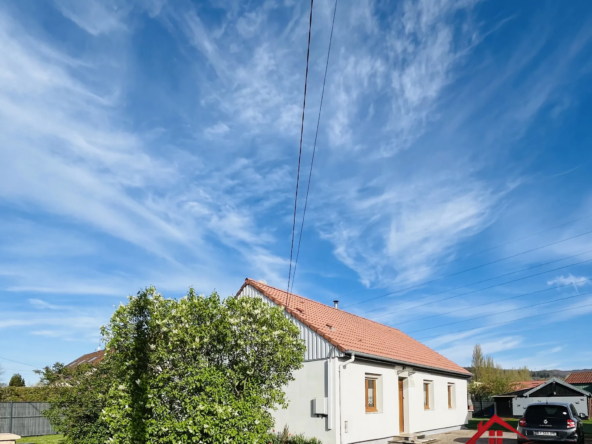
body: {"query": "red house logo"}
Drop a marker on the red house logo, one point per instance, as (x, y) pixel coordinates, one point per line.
(495, 436)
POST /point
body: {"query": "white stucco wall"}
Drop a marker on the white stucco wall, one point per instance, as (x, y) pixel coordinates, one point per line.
(439, 416)
(383, 425)
(311, 382)
(362, 426)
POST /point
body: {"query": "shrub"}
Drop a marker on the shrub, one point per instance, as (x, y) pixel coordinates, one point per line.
(79, 399)
(16, 381)
(28, 394)
(284, 437)
(198, 369)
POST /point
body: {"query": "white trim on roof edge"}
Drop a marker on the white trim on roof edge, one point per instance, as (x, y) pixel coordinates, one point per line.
(560, 381)
(410, 364)
(317, 347)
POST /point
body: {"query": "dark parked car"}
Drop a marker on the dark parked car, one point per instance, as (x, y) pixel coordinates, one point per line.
(554, 421)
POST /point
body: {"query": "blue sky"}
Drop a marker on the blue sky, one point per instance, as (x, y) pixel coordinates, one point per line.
(145, 144)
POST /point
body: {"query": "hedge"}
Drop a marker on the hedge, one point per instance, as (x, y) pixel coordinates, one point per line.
(472, 424)
(28, 394)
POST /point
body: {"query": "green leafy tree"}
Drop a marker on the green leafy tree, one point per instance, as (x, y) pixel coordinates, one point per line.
(198, 369)
(78, 401)
(16, 381)
(490, 378)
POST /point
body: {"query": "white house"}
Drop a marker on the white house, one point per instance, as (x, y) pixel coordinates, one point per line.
(363, 382)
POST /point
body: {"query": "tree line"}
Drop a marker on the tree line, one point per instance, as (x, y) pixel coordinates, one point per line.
(490, 378)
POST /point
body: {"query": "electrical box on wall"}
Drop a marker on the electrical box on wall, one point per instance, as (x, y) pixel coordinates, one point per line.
(319, 407)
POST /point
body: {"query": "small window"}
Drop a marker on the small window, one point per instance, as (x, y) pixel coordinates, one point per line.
(427, 396)
(450, 395)
(371, 394)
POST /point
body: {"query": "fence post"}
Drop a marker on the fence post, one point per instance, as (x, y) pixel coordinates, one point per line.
(10, 420)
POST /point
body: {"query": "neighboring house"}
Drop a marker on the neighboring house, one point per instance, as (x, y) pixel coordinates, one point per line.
(581, 380)
(521, 385)
(363, 381)
(553, 390)
(90, 358)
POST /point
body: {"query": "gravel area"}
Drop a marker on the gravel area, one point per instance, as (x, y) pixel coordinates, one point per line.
(462, 436)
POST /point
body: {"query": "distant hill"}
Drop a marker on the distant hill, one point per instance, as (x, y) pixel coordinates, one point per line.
(548, 374)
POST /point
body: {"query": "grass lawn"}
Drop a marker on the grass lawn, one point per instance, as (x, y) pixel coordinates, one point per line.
(47, 439)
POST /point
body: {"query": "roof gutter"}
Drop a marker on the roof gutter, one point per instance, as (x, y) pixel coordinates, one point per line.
(412, 364)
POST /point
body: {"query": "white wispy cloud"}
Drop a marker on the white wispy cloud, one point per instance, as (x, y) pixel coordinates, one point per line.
(69, 154)
(135, 174)
(569, 279)
(38, 303)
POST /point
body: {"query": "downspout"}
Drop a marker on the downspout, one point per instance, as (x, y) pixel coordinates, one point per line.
(343, 364)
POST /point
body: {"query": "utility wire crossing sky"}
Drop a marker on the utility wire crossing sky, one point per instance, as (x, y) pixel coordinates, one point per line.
(146, 143)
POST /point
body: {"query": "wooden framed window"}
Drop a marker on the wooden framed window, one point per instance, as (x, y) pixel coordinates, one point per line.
(450, 388)
(450, 395)
(371, 394)
(427, 401)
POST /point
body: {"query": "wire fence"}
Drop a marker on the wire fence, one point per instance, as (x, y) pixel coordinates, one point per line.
(24, 418)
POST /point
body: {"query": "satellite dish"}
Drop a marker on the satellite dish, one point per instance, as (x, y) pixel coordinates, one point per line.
(263, 281)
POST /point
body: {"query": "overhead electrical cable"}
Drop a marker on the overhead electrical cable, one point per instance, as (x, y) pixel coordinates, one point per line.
(500, 245)
(482, 281)
(468, 269)
(481, 289)
(508, 322)
(315, 145)
(17, 362)
(500, 312)
(300, 149)
(487, 303)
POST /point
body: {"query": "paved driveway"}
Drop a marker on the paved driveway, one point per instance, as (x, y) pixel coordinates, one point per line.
(462, 436)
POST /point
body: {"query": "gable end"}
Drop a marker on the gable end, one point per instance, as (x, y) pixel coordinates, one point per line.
(317, 347)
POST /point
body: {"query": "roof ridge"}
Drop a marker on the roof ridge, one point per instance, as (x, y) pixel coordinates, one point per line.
(249, 281)
(328, 306)
(399, 346)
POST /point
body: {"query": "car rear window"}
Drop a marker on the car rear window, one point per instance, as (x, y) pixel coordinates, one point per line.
(534, 412)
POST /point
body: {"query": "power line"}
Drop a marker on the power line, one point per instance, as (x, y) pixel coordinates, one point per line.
(486, 280)
(300, 149)
(469, 269)
(508, 322)
(487, 288)
(488, 303)
(500, 312)
(501, 245)
(17, 362)
(315, 144)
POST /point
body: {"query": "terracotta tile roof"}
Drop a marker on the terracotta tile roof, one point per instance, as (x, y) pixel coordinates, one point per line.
(579, 378)
(527, 384)
(349, 332)
(92, 358)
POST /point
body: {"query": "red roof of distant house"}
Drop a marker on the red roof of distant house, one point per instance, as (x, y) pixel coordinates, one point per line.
(90, 358)
(579, 378)
(527, 384)
(349, 332)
